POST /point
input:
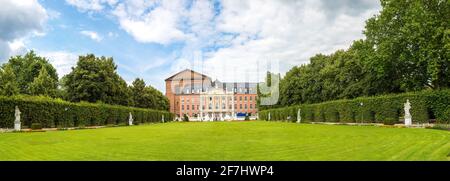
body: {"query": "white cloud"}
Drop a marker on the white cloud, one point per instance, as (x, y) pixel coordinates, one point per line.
(92, 35)
(113, 35)
(243, 33)
(63, 61)
(286, 31)
(19, 20)
(53, 14)
(91, 5)
(160, 25)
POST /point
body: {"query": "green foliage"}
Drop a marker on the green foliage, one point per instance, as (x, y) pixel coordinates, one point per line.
(387, 109)
(148, 97)
(95, 79)
(407, 48)
(28, 67)
(58, 113)
(8, 83)
(410, 42)
(43, 84)
(185, 118)
(36, 126)
(268, 91)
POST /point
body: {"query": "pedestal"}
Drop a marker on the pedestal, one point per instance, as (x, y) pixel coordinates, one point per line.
(408, 121)
(17, 126)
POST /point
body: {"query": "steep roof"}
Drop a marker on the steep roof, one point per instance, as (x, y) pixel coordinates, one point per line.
(188, 73)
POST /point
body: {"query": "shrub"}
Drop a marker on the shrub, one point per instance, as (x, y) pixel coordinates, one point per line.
(389, 121)
(62, 114)
(247, 118)
(36, 126)
(185, 118)
(387, 109)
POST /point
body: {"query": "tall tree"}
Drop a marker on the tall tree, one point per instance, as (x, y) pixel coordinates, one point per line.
(28, 67)
(95, 79)
(147, 96)
(43, 84)
(409, 38)
(8, 84)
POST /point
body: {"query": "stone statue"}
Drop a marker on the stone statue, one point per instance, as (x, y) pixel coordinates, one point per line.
(162, 118)
(269, 117)
(299, 116)
(17, 124)
(130, 120)
(408, 117)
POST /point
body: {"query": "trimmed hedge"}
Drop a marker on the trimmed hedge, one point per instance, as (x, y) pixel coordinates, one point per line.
(52, 113)
(387, 109)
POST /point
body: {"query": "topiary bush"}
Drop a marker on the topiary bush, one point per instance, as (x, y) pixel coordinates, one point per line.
(386, 109)
(51, 113)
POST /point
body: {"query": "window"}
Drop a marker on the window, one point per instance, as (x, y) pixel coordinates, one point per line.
(245, 106)
(245, 98)
(197, 107)
(182, 100)
(240, 98)
(210, 106)
(193, 107)
(251, 97)
(187, 107)
(240, 106)
(251, 106)
(223, 106)
(235, 106)
(182, 107)
(229, 107)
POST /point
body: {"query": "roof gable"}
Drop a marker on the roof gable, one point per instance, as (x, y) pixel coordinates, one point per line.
(188, 74)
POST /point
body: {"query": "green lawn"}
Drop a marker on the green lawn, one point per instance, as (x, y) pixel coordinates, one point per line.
(255, 140)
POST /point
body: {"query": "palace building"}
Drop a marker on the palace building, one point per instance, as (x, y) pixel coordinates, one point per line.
(201, 99)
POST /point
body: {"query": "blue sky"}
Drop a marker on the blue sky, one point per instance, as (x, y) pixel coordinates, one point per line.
(152, 39)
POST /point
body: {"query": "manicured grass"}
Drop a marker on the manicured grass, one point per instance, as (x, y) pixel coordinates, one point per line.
(255, 140)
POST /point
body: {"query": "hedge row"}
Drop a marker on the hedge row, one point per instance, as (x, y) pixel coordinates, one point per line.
(52, 113)
(387, 109)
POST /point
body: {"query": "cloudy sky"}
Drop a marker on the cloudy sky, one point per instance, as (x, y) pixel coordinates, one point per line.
(230, 40)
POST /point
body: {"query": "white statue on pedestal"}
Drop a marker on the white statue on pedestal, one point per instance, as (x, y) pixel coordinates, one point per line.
(17, 124)
(408, 117)
(299, 116)
(162, 118)
(130, 120)
(269, 117)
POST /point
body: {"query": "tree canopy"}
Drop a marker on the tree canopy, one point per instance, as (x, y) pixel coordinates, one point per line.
(147, 97)
(407, 48)
(8, 83)
(95, 79)
(27, 68)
